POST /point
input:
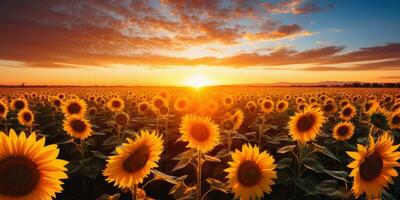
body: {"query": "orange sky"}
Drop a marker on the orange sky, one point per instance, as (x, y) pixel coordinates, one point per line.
(198, 42)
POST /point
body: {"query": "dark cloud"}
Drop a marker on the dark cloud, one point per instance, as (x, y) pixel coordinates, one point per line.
(384, 65)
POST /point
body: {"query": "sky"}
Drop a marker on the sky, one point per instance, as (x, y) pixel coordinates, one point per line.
(198, 42)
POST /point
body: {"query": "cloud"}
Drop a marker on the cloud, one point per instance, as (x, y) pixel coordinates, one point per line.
(295, 6)
(41, 34)
(390, 77)
(384, 65)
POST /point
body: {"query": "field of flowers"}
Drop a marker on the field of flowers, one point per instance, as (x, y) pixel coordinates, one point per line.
(112, 143)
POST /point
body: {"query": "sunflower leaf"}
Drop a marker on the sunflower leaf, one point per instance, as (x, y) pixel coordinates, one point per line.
(218, 185)
(286, 149)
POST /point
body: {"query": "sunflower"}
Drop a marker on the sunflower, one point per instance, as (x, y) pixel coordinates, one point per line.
(143, 107)
(267, 106)
(134, 160)
(74, 107)
(3, 109)
(19, 104)
(370, 106)
(300, 100)
(251, 106)
(251, 173)
(344, 103)
(373, 166)
(343, 131)
(379, 118)
(77, 127)
(29, 169)
(228, 101)
(163, 111)
(122, 119)
(115, 104)
(200, 132)
(329, 108)
(282, 106)
(305, 126)
(237, 119)
(158, 101)
(56, 102)
(394, 120)
(347, 112)
(181, 104)
(300, 107)
(26, 117)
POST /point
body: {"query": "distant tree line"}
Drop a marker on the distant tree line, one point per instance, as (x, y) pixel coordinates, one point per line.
(357, 85)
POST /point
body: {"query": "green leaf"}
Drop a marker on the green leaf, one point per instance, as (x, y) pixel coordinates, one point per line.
(111, 141)
(387, 196)
(218, 185)
(183, 162)
(325, 151)
(211, 158)
(342, 175)
(100, 155)
(304, 184)
(240, 137)
(286, 149)
(327, 186)
(161, 176)
(313, 165)
(284, 163)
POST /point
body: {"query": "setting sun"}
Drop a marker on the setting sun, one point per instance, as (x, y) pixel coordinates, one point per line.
(198, 81)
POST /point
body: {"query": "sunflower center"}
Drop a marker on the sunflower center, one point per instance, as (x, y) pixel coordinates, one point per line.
(143, 107)
(158, 103)
(328, 107)
(74, 108)
(305, 123)
(396, 119)
(116, 104)
(2, 108)
(344, 103)
(78, 125)
(249, 174)
(181, 104)
(371, 167)
(301, 107)
(19, 104)
(228, 101)
(164, 110)
(267, 105)
(343, 130)
(347, 111)
(18, 176)
(200, 132)
(122, 119)
(368, 106)
(228, 125)
(137, 160)
(281, 105)
(27, 117)
(57, 102)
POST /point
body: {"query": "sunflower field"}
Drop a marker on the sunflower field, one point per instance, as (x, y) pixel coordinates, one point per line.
(111, 143)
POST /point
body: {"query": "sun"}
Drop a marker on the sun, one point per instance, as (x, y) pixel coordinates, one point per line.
(198, 81)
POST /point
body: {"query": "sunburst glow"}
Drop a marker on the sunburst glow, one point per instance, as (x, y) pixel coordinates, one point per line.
(198, 81)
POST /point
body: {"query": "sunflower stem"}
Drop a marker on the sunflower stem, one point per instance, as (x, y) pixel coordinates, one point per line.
(134, 192)
(229, 141)
(166, 134)
(199, 163)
